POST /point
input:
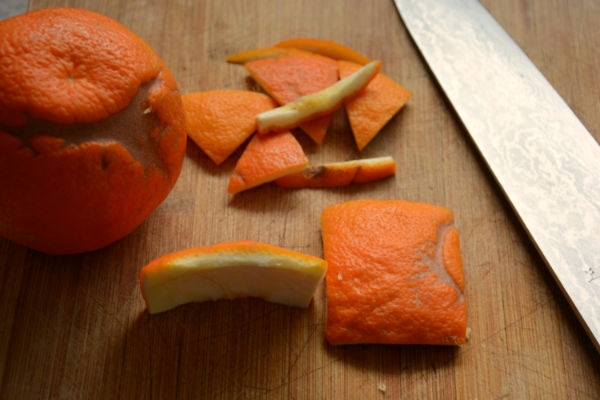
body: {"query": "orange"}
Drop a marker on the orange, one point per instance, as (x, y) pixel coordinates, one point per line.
(267, 157)
(340, 174)
(326, 48)
(266, 52)
(220, 121)
(395, 274)
(374, 107)
(291, 77)
(92, 130)
(311, 106)
(228, 271)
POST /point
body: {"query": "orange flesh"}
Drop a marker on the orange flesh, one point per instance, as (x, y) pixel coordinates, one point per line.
(220, 121)
(266, 158)
(340, 174)
(326, 48)
(369, 111)
(395, 274)
(291, 77)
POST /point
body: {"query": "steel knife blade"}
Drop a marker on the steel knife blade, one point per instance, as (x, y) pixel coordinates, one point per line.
(543, 158)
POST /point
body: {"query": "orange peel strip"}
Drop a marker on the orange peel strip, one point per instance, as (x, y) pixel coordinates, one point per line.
(264, 53)
(340, 174)
(320, 103)
(326, 48)
(228, 271)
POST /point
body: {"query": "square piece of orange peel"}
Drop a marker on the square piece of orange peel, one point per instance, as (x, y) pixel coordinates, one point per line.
(395, 274)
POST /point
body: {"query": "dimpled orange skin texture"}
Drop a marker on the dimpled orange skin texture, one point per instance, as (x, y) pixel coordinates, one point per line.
(220, 121)
(267, 157)
(369, 111)
(69, 66)
(291, 77)
(392, 279)
(340, 174)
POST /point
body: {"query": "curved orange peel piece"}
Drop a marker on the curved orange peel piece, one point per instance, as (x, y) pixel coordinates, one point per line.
(264, 53)
(340, 174)
(266, 158)
(326, 48)
(320, 103)
(228, 271)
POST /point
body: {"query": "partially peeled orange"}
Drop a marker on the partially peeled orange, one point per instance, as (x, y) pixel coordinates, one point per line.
(92, 130)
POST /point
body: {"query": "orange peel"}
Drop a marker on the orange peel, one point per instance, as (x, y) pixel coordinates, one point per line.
(320, 103)
(220, 121)
(288, 78)
(326, 48)
(340, 174)
(266, 158)
(228, 271)
(395, 274)
(368, 113)
(264, 53)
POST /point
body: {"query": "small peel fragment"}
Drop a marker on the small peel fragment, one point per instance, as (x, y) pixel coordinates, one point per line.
(340, 174)
(219, 121)
(266, 158)
(369, 112)
(320, 103)
(228, 271)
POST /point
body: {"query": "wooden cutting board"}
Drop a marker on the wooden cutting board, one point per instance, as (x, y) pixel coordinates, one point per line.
(76, 326)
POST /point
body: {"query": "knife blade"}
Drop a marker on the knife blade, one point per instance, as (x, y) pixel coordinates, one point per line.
(543, 158)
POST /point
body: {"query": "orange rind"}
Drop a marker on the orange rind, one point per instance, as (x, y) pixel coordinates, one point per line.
(340, 174)
(266, 158)
(229, 271)
(291, 77)
(395, 274)
(326, 48)
(220, 121)
(381, 99)
(264, 53)
(314, 105)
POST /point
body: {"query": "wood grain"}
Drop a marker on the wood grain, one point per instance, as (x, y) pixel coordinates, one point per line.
(76, 326)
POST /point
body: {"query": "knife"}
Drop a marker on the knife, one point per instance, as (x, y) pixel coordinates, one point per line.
(544, 159)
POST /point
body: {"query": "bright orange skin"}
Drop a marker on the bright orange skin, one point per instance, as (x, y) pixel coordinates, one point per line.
(291, 77)
(370, 110)
(335, 175)
(266, 52)
(392, 279)
(69, 66)
(220, 121)
(267, 157)
(326, 48)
